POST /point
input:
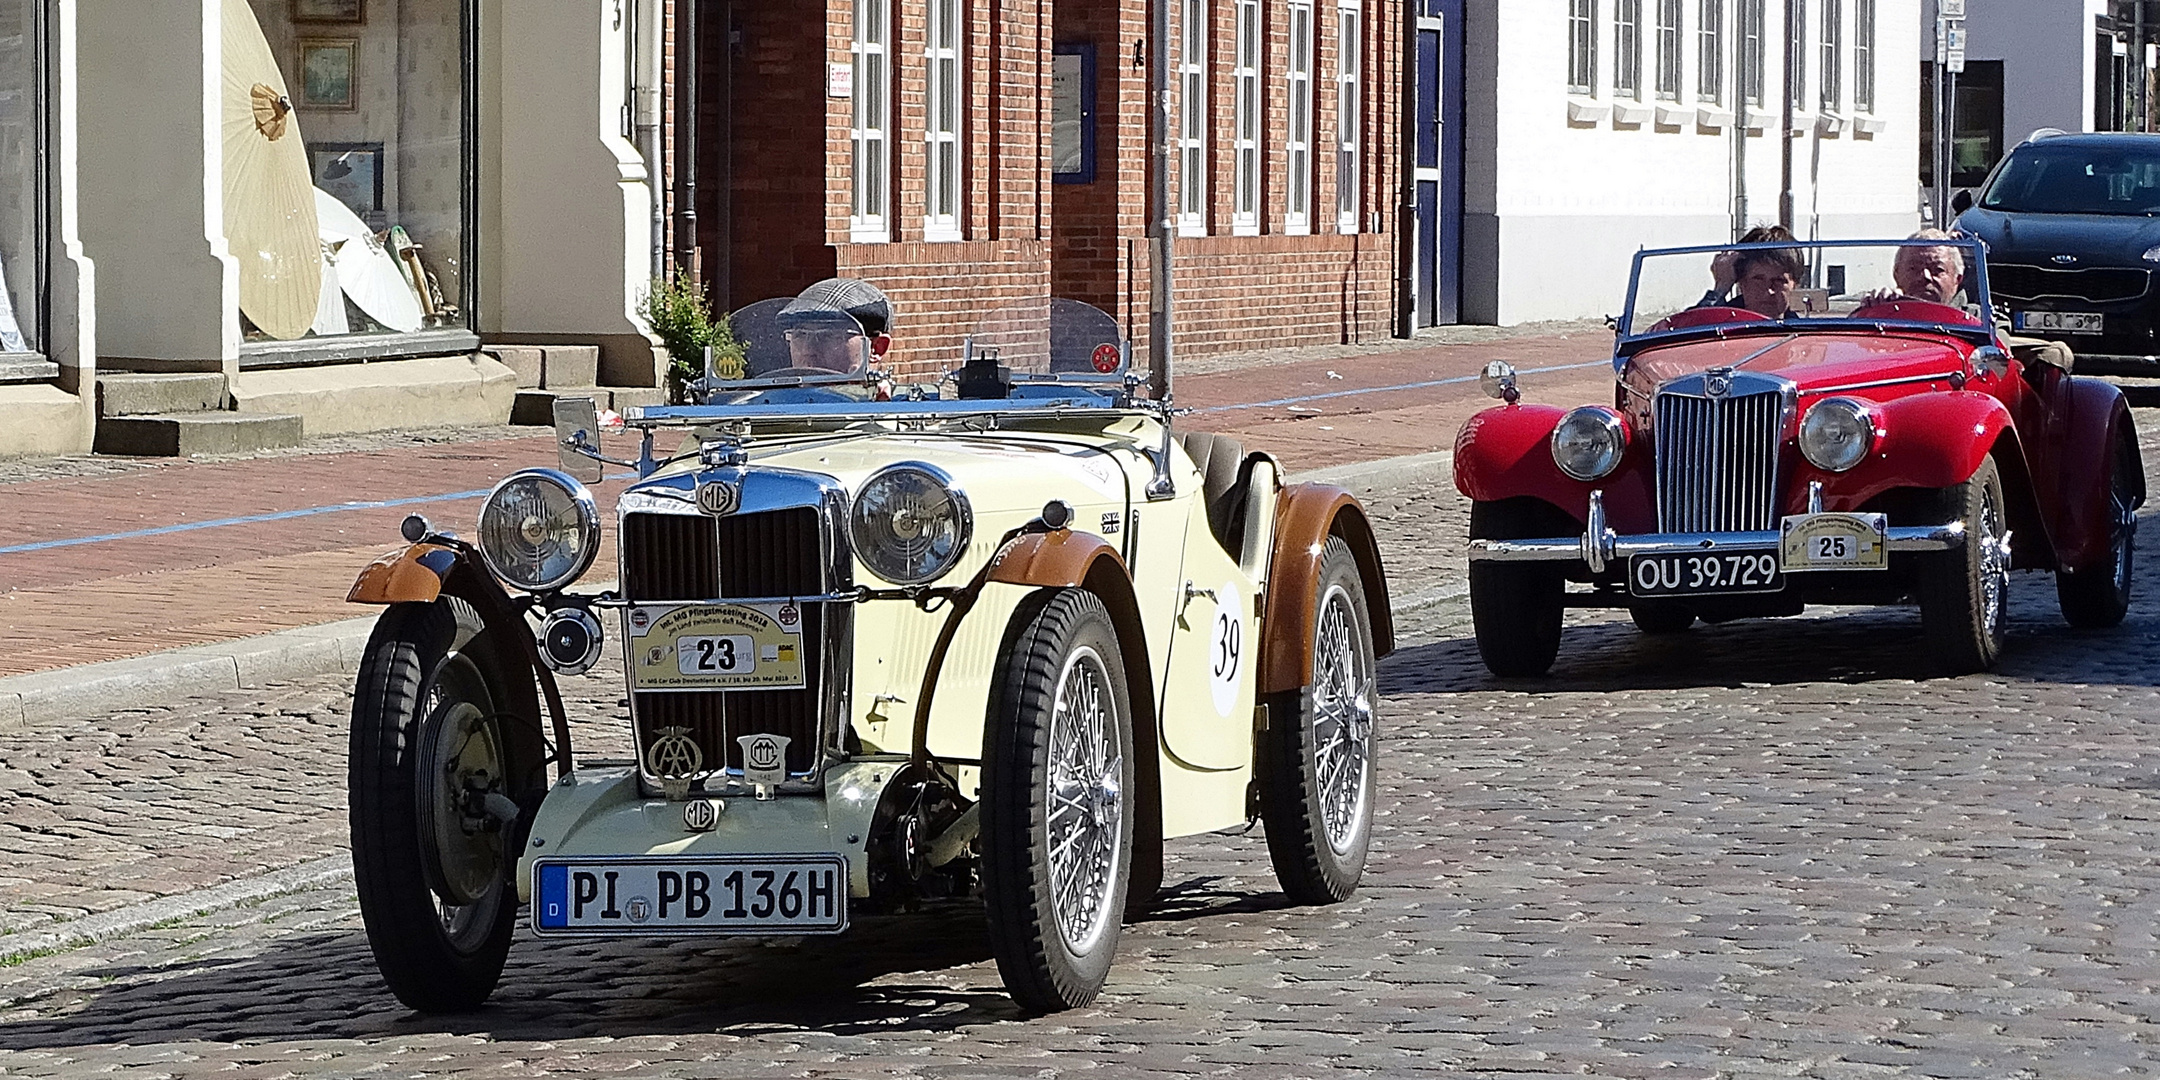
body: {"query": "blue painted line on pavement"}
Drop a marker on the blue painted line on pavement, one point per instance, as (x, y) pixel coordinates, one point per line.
(459, 496)
(1451, 381)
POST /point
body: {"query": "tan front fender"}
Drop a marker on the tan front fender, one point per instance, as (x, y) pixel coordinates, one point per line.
(415, 574)
(1306, 516)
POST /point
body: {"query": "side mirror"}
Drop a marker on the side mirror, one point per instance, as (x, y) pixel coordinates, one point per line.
(1498, 381)
(577, 438)
(1961, 202)
(1990, 361)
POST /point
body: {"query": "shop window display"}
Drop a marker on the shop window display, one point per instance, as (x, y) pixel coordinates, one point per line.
(345, 165)
(22, 124)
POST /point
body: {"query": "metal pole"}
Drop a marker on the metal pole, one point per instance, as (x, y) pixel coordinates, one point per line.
(1794, 34)
(1942, 174)
(1740, 115)
(686, 113)
(1165, 217)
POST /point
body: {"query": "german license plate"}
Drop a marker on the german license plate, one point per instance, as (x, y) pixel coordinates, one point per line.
(715, 646)
(2062, 322)
(1834, 542)
(757, 894)
(1704, 573)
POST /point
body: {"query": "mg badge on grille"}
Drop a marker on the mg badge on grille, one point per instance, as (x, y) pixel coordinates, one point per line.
(674, 758)
(719, 498)
(1717, 382)
(764, 759)
(701, 815)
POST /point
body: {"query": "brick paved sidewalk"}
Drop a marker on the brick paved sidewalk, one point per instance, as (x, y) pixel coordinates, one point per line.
(118, 598)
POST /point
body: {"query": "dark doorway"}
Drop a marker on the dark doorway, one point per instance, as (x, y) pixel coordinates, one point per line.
(1435, 150)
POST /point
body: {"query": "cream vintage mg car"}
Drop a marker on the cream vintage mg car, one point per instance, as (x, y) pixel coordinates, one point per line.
(1000, 635)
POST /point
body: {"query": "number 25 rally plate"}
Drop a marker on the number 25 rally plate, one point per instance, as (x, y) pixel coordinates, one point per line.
(752, 894)
(714, 646)
(1834, 542)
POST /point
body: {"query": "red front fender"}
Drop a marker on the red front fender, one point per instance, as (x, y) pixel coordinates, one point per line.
(1505, 452)
(1928, 441)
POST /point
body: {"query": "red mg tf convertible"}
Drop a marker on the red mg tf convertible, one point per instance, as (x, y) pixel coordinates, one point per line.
(1828, 424)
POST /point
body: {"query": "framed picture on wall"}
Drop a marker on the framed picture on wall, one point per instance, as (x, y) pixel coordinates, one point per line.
(329, 11)
(352, 173)
(326, 73)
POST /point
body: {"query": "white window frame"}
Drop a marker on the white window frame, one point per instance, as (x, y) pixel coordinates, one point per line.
(1710, 51)
(1192, 122)
(1830, 68)
(1671, 58)
(1298, 121)
(1863, 56)
(870, 112)
(1627, 49)
(1796, 50)
(1752, 33)
(1349, 116)
(944, 110)
(1582, 47)
(1245, 120)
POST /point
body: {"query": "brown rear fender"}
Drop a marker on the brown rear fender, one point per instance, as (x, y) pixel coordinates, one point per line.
(1305, 517)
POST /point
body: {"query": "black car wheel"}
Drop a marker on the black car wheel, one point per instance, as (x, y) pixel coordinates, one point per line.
(431, 783)
(1315, 764)
(1057, 816)
(1515, 607)
(1965, 594)
(2098, 596)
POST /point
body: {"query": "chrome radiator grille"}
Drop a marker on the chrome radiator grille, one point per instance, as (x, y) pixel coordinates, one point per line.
(762, 555)
(1717, 461)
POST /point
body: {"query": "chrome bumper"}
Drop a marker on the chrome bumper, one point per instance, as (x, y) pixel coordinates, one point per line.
(1599, 547)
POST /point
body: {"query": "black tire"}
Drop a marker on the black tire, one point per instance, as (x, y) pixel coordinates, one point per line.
(1316, 758)
(1660, 617)
(1515, 608)
(1061, 712)
(1965, 594)
(2098, 596)
(432, 872)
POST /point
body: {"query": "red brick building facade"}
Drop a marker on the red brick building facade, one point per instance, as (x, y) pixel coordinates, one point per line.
(911, 142)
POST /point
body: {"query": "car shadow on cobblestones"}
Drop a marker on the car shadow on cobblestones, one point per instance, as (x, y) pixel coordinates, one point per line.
(1601, 651)
(922, 973)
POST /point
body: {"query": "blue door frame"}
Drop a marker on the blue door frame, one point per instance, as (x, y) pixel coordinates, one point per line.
(1433, 175)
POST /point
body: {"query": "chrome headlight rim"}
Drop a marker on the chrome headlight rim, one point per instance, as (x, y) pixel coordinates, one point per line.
(870, 552)
(1855, 411)
(1609, 424)
(588, 510)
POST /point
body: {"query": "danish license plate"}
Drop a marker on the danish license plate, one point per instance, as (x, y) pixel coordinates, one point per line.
(1704, 573)
(715, 646)
(1834, 542)
(760, 894)
(2062, 322)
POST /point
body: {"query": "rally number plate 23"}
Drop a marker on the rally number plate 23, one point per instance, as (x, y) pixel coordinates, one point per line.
(749, 894)
(714, 646)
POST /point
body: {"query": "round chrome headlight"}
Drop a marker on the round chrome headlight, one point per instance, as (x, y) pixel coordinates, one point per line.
(1836, 434)
(539, 530)
(1588, 442)
(910, 524)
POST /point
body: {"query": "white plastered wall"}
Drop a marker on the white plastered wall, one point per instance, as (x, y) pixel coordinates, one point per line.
(1557, 206)
(2046, 47)
(151, 183)
(567, 210)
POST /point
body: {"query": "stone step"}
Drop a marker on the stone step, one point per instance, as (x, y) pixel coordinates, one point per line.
(536, 408)
(187, 433)
(552, 367)
(144, 394)
(28, 371)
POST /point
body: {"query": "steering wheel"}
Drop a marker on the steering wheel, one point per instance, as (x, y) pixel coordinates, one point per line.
(1916, 311)
(1706, 316)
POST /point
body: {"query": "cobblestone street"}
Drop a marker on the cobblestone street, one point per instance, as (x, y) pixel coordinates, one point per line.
(1762, 849)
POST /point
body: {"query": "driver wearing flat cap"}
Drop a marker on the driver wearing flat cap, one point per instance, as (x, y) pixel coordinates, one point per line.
(824, 321)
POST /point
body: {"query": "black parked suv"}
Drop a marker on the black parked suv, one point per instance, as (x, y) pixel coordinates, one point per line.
(2072, 225)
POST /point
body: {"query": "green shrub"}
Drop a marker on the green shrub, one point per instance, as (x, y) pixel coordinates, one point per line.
(683, 319)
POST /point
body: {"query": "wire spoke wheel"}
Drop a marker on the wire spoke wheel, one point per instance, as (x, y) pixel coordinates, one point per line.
(1315, 760)
(461, 764)
(1965, 594)
(2098, 596)
(1057, 828)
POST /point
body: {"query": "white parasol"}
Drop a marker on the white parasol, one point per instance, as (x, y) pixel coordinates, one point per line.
(330, 311)
(269, 202)
(368, 273)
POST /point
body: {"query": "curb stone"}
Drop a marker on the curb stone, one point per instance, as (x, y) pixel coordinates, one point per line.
(104, 926)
